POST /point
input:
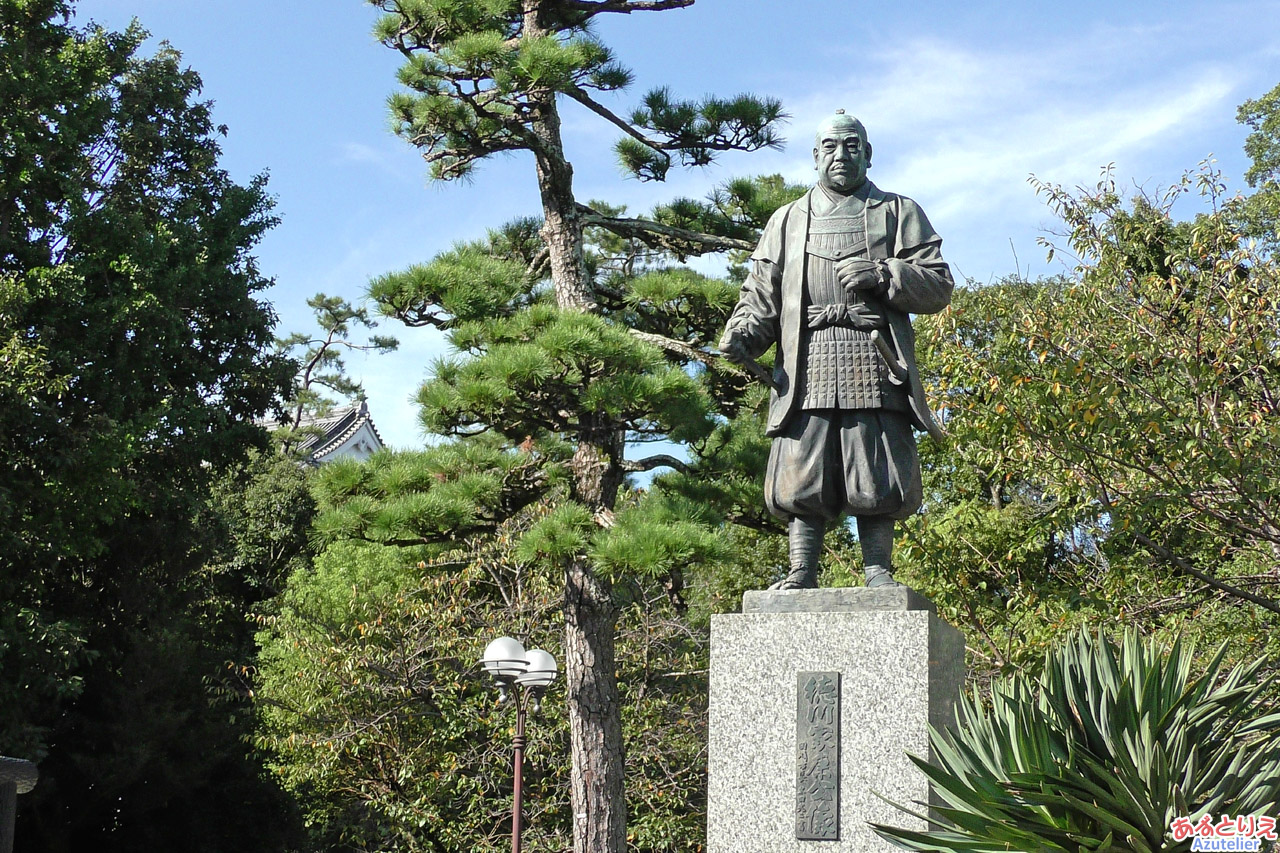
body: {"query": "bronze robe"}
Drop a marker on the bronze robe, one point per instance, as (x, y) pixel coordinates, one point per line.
(772, 308)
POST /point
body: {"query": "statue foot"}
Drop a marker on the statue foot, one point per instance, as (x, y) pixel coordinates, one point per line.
(798, 579)
(880, 576)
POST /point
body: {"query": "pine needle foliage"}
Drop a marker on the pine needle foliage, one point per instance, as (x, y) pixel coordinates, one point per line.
(467, 284)
(428, 498)
(320, 363)
(477, 72)
(524, 377)
(1101, 752)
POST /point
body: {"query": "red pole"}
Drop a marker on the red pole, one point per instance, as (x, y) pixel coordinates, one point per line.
(516, 805)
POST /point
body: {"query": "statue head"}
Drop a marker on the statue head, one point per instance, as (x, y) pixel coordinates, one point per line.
(841, 153)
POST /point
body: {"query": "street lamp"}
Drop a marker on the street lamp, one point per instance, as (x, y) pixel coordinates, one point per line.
(522, 677)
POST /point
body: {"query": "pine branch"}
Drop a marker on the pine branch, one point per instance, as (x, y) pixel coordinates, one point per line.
(412, 316)
(480, 100)
(680, 242)
(681, 348)
(659, 460)
(453, 144)
(625, 7)
(458, 160)
(539, 265)
(697, 128)
(712, 360)
(622, 124)
(755, 520)
(737, 138)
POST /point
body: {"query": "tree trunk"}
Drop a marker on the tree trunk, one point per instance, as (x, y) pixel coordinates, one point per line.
(595, 717)
(562, 225)
(597, 790)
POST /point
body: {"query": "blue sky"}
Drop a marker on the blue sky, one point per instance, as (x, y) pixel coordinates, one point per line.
(962, 101)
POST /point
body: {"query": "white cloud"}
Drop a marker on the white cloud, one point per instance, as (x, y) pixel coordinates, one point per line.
(358, 152)
(976, 168)
(391, 156)
(960, 126)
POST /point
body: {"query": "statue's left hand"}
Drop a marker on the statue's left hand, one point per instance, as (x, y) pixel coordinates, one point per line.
(860, 274)
(866, 317)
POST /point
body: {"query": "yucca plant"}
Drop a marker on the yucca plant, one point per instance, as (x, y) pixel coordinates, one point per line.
(1101, 752)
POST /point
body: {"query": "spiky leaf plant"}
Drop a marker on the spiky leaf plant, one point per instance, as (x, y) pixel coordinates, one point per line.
(1101, 752)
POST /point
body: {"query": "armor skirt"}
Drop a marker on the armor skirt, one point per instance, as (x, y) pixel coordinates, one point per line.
(833, 461)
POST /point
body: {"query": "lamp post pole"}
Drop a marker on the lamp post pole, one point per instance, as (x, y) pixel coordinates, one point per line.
(517, 804)
(521, 677)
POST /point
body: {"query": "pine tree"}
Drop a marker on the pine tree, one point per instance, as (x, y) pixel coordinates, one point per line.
(566, 357)
(321, 364)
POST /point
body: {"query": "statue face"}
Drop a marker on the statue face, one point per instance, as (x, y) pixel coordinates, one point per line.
(841, 157)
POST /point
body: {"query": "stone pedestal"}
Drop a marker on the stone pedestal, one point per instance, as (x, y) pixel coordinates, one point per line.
(897, 668)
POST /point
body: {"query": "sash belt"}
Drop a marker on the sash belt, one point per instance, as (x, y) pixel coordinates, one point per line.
(824, 316)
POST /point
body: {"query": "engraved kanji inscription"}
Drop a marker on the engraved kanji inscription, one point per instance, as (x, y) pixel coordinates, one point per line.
(818, 756)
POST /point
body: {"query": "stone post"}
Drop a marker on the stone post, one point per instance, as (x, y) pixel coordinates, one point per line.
(16, 777)
(787, 772)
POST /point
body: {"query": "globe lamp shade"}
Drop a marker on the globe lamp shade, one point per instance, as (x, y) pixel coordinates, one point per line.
(541, 670)
(505, 659)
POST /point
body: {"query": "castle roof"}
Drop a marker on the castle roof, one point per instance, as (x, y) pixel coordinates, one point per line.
(346, 432)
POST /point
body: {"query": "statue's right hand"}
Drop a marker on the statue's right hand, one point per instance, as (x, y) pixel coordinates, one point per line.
(859, 274)
(734, 347)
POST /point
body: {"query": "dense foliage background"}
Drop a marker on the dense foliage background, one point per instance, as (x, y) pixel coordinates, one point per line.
(206, 646)
(137, 356)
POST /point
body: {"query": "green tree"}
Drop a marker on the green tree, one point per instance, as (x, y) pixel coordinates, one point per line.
(576, 369)
(1104, 427)
(141, 359)
(1259, 214)
(381, 722)
(999, 553)
(1104, 431)
(259, 516)
(1149, 384)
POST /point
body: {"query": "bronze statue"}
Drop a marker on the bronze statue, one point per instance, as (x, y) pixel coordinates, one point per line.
(834, 281)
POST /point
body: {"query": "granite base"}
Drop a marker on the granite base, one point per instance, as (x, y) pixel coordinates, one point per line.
(900, 669)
